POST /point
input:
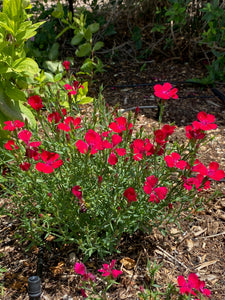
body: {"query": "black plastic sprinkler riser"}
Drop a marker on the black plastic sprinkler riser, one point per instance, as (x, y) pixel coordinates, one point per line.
(34, 288)
(40, 262)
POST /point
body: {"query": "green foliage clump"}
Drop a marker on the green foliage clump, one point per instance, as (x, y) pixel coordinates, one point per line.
(15, 67)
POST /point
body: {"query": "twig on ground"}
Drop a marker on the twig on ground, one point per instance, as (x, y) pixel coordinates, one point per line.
(211, 236)
(171, 257)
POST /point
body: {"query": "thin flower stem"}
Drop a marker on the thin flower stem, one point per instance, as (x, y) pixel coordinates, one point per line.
(161, 109)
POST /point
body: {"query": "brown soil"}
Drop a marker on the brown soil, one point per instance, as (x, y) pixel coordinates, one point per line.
(197, 246)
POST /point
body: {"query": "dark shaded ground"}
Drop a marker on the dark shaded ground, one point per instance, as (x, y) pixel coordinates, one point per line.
(198, 246)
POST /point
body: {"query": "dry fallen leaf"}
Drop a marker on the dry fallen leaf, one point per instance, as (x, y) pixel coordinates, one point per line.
(50, 238)
(58, 269)
(190, 244)
(205, 264)
(128, 263)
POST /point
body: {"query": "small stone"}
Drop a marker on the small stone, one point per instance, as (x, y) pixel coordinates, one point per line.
(72, 258)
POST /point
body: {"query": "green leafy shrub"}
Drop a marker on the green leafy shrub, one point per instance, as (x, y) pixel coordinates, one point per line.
(44, 46)
(83, 39)
(15, 67)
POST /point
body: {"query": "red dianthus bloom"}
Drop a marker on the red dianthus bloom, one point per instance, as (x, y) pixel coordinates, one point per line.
(206, 121)
(108, 270)
(121, 124)
(173, 160)
(12, 125)
(25, 166)
(10, 145)
(130, 194)
(35, 102)
(93, 142)
(194, 133)
(142, 147)
(212, 172)
(51, 162)
(193, 282)
(54, 116)
(165, 91)
(156, 193)
(69, 124)
(66, 65)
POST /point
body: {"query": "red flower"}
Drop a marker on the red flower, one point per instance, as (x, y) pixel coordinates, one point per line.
(51, 162)
(35, 102)
(33, 153)
(109, 271)
(197, 181)
(112, 160)
(83, 293)
(130, 195)
(25, 166)
(69, 124)
(73, 89)
(66, 65)
(194, 133)
(64, 112)
(156, 193)
(173, 160)
(212, 172)
(165, 91)
(25, 136)
(168, 129)
(93, 142)
(202, 290)
(76, 190)
(120, 124)
(54, 116)
(80, 269)
(141, 148)
(116, 139)
(10, 145)
(160, 136)
(100, 179)
(12, 125)
(186, 287)
(206, 121)
(137, 110)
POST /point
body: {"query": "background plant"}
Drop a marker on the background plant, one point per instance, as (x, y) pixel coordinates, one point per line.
(15, 67)
(83, 38)
(44, 47)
